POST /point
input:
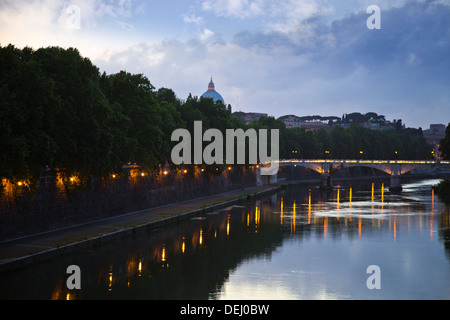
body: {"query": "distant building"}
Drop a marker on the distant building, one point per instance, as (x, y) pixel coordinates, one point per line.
(292, 121)
(433, 136)
(248, 117)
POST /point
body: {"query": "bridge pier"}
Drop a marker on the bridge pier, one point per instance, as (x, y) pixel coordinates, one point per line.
(326, 177)
(326, 181)
(265, 180)
(273, 179)
(259, 180)
(396, 184)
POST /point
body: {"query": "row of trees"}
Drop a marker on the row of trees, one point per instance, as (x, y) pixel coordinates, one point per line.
(356, 142)
(58, 111)
(443, 188)
(444, 146)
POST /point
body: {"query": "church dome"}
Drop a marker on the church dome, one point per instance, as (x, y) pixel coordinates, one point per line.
(212, 93)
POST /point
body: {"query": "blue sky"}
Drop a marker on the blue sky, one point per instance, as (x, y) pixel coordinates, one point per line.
(279, 57)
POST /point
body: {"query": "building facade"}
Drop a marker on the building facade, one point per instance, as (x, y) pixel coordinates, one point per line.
(433, 136)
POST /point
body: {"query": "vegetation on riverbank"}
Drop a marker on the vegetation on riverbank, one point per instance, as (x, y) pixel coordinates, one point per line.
(58, 111)
(443, 188)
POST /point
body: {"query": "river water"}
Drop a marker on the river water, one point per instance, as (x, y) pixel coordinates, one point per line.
(298, 244)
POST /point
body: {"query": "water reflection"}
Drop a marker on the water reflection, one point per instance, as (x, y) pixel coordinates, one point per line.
(301, 243)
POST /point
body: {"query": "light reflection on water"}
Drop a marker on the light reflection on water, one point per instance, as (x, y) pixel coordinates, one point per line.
(299, 244)
(406, 234)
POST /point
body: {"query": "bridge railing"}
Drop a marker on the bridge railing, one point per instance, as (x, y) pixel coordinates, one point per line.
(337, 161)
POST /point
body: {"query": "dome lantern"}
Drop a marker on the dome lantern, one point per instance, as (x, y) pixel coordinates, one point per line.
(212, 93)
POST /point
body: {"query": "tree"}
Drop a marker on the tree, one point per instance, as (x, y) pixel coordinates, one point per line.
(80, 124)
(134, 94)
(342, 142)
(27, 101)
(444, 146)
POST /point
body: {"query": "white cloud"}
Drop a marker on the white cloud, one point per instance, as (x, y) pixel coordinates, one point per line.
(235, 8)
(207, 34)
(192, 19)
(42, 23)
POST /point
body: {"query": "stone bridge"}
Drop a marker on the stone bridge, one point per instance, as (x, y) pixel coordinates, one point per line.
(394, 168)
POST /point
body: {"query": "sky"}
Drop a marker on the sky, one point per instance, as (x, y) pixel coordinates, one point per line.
(301, 57)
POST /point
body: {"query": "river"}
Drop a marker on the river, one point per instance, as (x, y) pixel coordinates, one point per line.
(300, 243)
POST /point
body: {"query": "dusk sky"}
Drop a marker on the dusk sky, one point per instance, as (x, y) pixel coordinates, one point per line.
(302, 57)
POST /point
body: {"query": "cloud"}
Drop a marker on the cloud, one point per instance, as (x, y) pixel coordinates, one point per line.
(234, 8)
(42, 23)
(293, 17)
(192, 19)
(207, 34)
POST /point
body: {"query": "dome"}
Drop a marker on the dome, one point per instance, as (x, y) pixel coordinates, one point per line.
(212, 93)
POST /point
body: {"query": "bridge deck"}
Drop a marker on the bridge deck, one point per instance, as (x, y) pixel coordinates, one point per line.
(365, 161)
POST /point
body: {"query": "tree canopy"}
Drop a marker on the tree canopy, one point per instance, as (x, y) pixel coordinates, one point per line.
(444, 146)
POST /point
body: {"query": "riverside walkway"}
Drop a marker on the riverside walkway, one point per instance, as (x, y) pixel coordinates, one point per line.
(32, 249)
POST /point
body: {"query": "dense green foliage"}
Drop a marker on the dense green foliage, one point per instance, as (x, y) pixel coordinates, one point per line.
(443, 188)
(356, 142)
(58, 111)
(444, 146)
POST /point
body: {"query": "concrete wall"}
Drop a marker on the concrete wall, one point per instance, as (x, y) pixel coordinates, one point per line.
(54, 205)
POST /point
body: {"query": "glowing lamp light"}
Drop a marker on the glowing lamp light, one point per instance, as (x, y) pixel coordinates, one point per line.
(165, 173)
